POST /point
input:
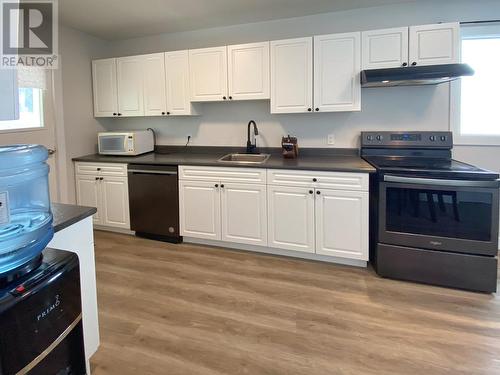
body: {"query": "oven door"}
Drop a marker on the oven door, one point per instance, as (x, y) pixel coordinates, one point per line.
(449, 215)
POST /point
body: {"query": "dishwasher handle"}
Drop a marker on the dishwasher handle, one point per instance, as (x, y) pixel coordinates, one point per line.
(144, 171)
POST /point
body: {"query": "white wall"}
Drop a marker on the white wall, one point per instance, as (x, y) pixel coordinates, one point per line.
(76, 126)
(420, 108)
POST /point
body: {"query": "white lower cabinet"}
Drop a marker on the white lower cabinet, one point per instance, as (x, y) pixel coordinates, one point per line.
(244, 213)
(115, 206)
(291, 218)
(342, 223)
(199, 203)
(104, 186)
(322, 213)
(88, 194)
(216, 210)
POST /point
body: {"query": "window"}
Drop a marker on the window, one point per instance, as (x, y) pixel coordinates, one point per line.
(475, 104)
(31, 84)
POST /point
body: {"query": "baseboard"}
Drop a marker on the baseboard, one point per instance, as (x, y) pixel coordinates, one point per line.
(112, 229)
(274, 251)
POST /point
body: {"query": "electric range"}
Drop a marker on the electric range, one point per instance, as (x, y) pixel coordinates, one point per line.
(433, 219)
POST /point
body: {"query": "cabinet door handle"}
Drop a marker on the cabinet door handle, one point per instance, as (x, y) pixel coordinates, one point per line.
(405, 64)
(216, 185)
(318, 192)
(102, 178)
(224, 97)
(163, 113)
(114, 113)
(315, 180)
(97, 178)
(230, 98)
(310, 191)
(222, 186)
(309, 109)
(168, 113)
(317, 109)
(119, 114)
(414, 63)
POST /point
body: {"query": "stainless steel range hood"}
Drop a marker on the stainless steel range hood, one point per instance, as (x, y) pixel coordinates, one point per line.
(415, 75)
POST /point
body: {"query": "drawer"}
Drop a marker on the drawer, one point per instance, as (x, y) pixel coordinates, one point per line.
(313, 179)
(101, 169)
(223, 174)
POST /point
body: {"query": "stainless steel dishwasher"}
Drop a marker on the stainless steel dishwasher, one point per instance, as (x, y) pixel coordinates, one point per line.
(154, 201)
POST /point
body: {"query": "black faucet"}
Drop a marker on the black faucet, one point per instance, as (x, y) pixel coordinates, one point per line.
(252, 148)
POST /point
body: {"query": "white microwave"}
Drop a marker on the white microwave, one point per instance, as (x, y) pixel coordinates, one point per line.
(126, 143)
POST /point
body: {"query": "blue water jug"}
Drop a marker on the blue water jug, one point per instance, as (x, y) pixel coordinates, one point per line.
(25, 216)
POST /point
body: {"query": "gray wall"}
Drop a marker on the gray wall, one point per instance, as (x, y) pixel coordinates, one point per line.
(76, 126)
(420, 108)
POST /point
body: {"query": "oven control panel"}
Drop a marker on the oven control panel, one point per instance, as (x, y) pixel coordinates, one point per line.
(407, 139)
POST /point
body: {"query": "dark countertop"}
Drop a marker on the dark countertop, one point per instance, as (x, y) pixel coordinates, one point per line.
(69, 214)
(341, 160)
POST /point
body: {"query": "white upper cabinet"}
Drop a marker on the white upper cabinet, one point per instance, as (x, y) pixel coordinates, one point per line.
(387, 48)
(177, 84)
(291, 75)
(130, 80)
(208, 74)
(154, 85)
(337, 64)
(414, 46)
(104, 88)
(248, 71)
(435, 44)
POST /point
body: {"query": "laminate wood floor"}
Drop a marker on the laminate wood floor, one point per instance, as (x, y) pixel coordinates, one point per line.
(187, 309)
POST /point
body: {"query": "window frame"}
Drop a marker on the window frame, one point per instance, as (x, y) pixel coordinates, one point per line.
(476, 31)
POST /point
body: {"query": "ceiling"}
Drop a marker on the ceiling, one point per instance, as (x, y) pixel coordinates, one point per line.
(122, 19)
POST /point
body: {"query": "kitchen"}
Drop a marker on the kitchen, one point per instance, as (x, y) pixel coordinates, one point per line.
(314, 207)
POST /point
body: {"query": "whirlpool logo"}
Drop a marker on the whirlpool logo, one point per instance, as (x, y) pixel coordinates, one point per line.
(43, 314)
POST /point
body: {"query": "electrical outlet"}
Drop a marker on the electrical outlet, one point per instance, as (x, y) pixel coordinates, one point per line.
(331, 139)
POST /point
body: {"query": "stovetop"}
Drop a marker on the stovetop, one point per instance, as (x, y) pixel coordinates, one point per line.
(419, 154)
(431, 167)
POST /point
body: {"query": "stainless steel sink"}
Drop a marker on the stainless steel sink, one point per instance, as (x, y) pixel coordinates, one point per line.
(244, 158)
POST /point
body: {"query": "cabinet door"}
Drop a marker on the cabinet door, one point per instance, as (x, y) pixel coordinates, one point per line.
(199, 207)
(248, 67)
(435, 44)
(177, 79)
(115, 207)
(337, 64)
(342, 224)
(155, 102)
(208, 73)
(244, 213)
(104, 88)
(387, 48)
(88, 193)
(291, 218)
(291, 75)
(129, 71)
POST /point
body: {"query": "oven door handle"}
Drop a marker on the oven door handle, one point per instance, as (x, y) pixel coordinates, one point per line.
(439, 182)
